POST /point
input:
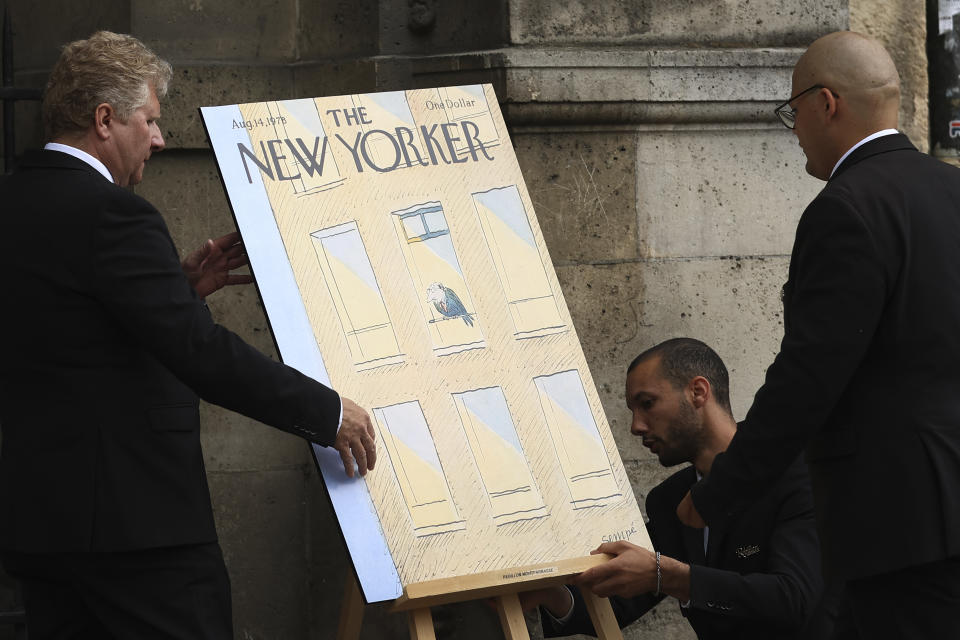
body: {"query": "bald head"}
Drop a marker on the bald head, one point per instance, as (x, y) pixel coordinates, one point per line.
(846, 88)
(858, 69)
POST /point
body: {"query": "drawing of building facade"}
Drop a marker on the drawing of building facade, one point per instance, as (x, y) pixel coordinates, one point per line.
(428, 293)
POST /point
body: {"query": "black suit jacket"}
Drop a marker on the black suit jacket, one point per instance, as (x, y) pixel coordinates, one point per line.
(105, 348)
(868, 375)
(760, 576)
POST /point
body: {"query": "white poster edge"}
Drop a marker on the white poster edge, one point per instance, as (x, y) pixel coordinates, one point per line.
(356, 515)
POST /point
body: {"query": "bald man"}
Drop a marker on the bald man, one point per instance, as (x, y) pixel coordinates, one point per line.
(868, 376)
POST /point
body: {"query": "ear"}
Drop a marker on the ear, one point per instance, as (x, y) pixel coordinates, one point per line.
(103, 117)
(829, 105)
(699, 389)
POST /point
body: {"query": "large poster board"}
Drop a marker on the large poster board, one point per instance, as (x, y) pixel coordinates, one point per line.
(399, 260)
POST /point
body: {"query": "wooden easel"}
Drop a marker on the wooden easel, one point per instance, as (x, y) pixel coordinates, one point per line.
(502, 585)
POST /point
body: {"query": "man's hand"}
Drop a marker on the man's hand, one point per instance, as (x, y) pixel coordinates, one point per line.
(355, 439)
(632, 571)
(208, 268)
(688, 513)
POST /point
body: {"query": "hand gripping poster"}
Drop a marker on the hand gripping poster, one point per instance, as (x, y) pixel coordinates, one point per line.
(400, 261)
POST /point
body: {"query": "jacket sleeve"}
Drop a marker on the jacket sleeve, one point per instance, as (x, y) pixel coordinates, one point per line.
(138, 279)
(833, 302)
(626, 610)
(785, 592)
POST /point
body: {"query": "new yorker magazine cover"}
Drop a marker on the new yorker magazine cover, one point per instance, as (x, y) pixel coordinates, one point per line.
(400, 261)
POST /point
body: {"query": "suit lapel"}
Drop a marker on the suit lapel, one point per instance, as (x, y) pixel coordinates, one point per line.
(692, 538)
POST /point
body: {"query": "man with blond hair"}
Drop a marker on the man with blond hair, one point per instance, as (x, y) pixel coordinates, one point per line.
(105, 514)
(867, 376)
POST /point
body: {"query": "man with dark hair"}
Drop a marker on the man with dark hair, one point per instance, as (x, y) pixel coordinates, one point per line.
(757, 578)
(105, 514)
(867, 378)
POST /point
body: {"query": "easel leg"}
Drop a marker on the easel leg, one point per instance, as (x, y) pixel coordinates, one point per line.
(351, 611)
(511, 617)
(421, 625)
(601, 613)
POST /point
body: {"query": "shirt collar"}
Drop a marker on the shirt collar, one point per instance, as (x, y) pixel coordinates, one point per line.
(80, 155)
(872, 136)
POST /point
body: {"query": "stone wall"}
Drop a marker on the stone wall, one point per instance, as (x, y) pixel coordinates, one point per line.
(902, 27)
(667, 192)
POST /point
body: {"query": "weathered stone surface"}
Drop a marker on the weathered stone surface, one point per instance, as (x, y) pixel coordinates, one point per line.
(261, 30)
(185, 187)
(334, 78)
(337, 29)
(902, 28)
(565, 86)
(42, 27)
(428, 26)
(720, 191)
(663, 621)
(662, 75)
(621, 309)
(582, 185)
(260, 518)
(195, 86)
(659, 22)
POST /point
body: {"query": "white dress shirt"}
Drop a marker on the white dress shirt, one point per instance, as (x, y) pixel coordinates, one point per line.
(80, 155)
(872, 136)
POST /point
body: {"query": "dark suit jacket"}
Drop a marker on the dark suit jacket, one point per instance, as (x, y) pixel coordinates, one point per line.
(759, 579)
(868, 375)
(105, 348)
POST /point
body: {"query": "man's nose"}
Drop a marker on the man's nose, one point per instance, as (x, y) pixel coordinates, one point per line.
(638, 426)
(156, 139)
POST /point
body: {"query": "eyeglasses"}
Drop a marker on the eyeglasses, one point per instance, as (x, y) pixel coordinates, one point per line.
(788, 115)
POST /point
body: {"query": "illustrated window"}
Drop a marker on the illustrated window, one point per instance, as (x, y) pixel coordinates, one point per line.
(513, 249)
(406, 437)
(356, 296)
(499, 455)
(576, 440)
(438, 279)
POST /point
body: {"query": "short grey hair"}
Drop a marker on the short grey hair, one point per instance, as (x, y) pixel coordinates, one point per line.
(107, 67)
